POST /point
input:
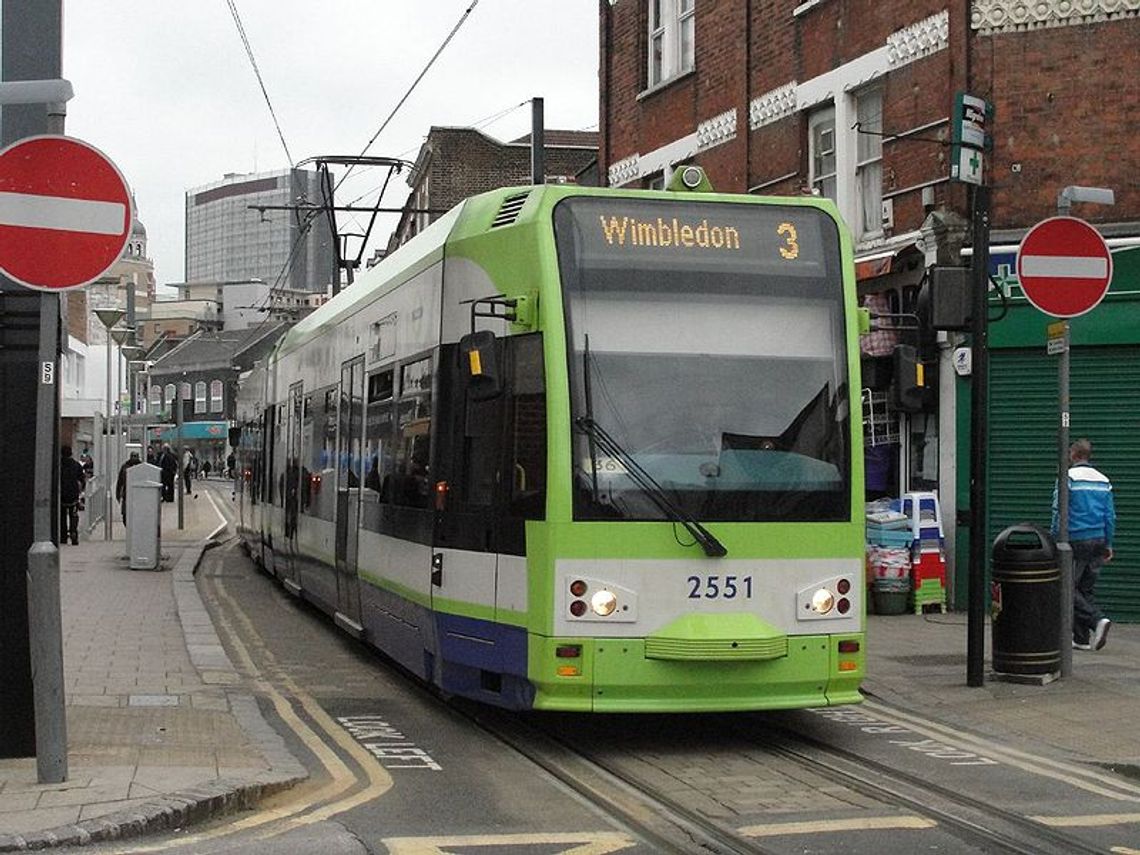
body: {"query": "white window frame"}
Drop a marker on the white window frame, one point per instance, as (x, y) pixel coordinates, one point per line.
(822, 122)
(200, 396)
(853, 175)
(217, 401)
(671, 48)
(869, 164)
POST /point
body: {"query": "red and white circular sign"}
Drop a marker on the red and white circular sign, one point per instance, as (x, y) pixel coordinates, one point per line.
(65, 213)
(1064, 266)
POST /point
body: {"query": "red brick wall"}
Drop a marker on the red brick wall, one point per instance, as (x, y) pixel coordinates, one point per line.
(1067, 99)
(1066, 106)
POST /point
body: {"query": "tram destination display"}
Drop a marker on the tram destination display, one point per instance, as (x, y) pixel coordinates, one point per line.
(782, 240)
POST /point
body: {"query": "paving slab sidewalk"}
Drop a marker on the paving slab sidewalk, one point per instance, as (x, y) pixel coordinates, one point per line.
(161, 731)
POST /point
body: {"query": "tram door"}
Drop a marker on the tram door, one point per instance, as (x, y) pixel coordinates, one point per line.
(292, 486)
(348, 484)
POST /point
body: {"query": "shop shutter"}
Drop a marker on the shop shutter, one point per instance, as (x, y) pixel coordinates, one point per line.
(1105, 392)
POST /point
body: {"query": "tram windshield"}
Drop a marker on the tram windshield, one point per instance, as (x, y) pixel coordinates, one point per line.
(707, 339)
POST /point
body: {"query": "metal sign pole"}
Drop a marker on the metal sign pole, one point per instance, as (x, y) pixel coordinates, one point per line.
(1063, 547)
(45, 635)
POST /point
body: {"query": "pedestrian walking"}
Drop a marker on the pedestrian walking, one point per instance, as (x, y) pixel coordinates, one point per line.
(87, 463)
(206, 469)
(1092, 523)
(230, 461)
(168, 463)
(72, 482)
(121, 483)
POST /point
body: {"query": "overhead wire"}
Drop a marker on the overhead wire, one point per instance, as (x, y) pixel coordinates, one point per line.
(411, 88)
(305, 224)
(232, 4)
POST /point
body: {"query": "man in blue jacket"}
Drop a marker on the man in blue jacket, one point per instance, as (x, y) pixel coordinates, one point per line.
(1092, 522)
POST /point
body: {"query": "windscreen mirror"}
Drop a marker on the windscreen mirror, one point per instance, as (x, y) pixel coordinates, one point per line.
(479, 363)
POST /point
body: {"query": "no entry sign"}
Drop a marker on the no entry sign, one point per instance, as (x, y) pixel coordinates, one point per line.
(1064, 266)
(65, 212)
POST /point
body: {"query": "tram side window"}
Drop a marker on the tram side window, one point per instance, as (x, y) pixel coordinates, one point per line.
(528, 428)
(320, 475)
(409, 484)
(305, 452)
(379, 457)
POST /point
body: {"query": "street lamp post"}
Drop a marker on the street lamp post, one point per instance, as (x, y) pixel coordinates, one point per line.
(121, 335)
(131, 353)
(108, 317)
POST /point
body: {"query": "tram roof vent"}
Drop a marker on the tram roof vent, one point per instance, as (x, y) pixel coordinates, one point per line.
(509, 211)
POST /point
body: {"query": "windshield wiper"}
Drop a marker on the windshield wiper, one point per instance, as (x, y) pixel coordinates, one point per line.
(712, 547)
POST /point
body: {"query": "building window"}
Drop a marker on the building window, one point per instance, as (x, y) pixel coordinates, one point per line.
(169, 393)
(217, 400)
(869, 164)
(846, 159)
(821, 127)
(200, 396)
(672, 26)
(156, 398)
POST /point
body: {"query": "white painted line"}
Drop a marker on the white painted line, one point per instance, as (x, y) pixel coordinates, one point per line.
(1114, 787)
(1089, 821)
(61, 214)
(221, 516)
(1064, 266)
(826, 826)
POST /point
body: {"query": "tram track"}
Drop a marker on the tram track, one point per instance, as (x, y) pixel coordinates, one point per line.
(658, 820)
(973, 820)
(667, 825)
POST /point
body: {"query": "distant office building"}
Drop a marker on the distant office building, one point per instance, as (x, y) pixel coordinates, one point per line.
(228, 241)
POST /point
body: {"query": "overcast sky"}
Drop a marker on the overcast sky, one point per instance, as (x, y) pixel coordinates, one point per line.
(166, 89)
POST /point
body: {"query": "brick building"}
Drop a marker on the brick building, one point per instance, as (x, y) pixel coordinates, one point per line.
(454, 163)
(854, 99)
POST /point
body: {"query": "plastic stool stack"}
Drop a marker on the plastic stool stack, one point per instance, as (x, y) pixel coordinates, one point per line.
(928, 561)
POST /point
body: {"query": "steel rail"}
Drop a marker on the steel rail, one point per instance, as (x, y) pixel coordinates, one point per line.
(658, 821)
(993, 828)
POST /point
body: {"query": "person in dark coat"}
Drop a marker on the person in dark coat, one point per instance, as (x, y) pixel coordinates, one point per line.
(168, 463)
(71, 484)
(121, 484)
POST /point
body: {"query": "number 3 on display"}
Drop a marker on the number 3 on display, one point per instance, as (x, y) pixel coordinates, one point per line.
(791, 238)
(720, 588)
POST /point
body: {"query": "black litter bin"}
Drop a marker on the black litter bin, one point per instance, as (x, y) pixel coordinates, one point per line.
(1027, 601)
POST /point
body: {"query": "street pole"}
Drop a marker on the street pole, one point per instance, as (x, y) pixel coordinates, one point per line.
(30, 45)
(1065, 199)
(979, 435)
(1064, 548)
(178, 449)
(108, 317)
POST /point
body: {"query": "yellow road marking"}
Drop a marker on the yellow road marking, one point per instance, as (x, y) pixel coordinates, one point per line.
(1124, 850)
(1089, 821)
(342, 778)
(828, 826)
(1081, 778)
(599, 843)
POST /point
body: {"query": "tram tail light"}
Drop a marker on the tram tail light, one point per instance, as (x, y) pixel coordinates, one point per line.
(569, 671)
(568, 651)
(849, 645)
(849, 665)
(828, 599)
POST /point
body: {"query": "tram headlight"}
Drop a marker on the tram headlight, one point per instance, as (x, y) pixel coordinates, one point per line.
(603, 603)
(822, 601)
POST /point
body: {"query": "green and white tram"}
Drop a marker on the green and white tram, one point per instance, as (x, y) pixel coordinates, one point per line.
(581, 449)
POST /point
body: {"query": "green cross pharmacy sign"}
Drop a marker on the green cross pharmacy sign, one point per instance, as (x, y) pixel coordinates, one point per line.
(971, 138)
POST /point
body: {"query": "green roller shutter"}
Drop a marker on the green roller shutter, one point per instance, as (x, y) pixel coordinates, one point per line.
(1105, 391)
